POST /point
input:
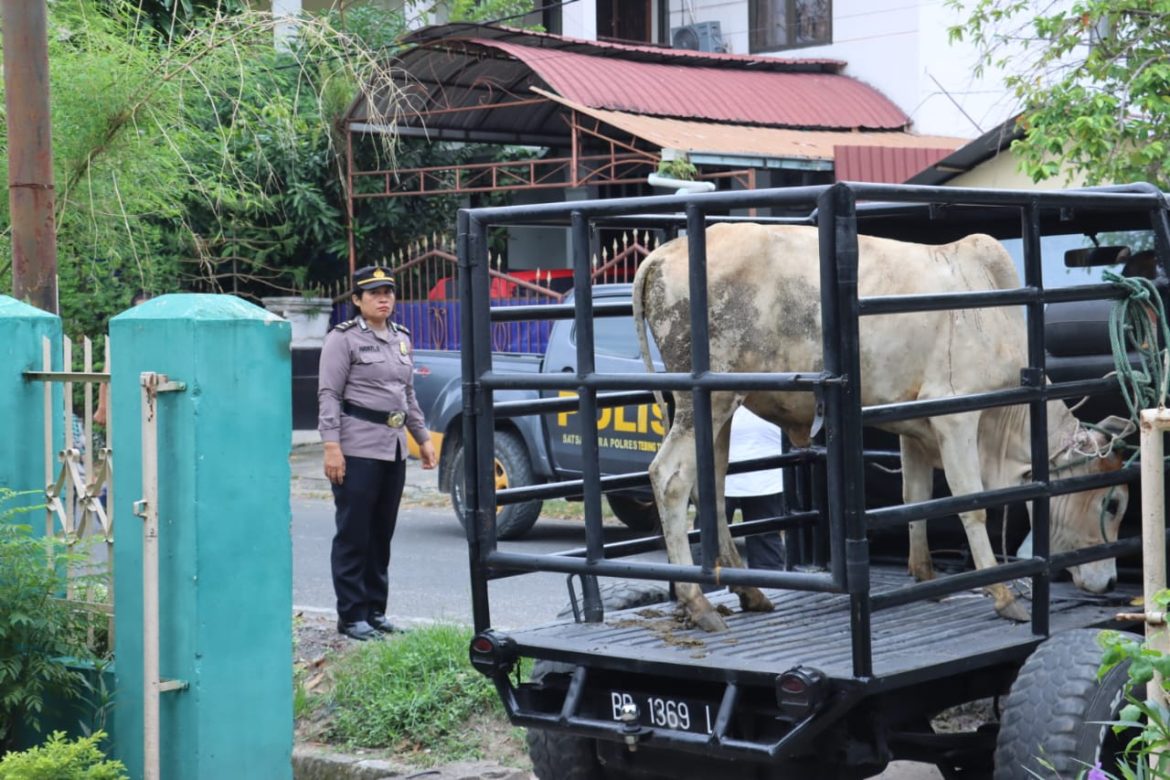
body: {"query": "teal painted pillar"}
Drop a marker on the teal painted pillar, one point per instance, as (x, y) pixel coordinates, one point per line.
(22, 404)
(225, 548)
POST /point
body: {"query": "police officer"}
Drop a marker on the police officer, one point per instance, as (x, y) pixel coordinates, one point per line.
(365, 400)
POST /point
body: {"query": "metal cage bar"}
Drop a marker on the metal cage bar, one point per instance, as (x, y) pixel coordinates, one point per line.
(838, 217)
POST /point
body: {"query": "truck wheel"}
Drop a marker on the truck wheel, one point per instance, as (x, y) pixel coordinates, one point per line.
(637, 514)
(626, 594)
(1057, 710)
(557, 756)
(512, 469)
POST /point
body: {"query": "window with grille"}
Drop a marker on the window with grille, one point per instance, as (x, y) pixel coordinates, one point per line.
(789, 24)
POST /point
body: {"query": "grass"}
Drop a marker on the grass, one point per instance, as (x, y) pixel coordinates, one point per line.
(417, 695)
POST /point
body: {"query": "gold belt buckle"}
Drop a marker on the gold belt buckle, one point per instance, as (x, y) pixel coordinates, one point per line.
(396, 419)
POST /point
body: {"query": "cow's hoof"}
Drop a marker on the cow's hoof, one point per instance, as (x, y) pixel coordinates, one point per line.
(922, 573)
(709, 621)
(752, 600)
(1014, 611)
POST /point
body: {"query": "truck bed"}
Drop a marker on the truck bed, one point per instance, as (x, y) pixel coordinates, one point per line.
(918, 640)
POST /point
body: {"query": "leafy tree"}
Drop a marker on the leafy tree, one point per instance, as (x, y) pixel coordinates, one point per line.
(207, 159)
(1092, 78)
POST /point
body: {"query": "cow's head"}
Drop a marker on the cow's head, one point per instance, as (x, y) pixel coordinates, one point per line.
(1090, 517)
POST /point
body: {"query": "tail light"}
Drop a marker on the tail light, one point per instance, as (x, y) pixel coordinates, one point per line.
(800, 691)
(492, 652)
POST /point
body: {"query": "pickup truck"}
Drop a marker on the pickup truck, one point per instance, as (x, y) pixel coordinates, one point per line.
(855, 665)
(534, 449)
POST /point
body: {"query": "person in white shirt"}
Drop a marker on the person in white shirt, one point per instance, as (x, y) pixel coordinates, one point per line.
(758, 494)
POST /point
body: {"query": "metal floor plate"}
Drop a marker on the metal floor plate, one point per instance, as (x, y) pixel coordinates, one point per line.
(813, 628)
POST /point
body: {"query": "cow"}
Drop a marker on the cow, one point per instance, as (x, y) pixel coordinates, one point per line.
(764, 314)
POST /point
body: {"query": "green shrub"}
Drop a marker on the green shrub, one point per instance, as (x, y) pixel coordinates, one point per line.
(414, 693)
(678, 168)
(61, 759)
(39, 633)
(1146, 721)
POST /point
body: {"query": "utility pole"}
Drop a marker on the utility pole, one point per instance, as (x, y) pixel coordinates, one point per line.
(30, 152)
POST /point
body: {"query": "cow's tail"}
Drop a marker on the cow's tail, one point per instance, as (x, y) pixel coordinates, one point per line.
(644, 271)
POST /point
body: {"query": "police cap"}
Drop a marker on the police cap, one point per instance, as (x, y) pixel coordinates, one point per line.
(372, 277)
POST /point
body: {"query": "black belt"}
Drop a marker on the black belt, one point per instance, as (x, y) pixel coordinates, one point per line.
(393, 419)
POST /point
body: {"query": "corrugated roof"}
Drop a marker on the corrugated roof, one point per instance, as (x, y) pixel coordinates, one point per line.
(970, 155)
(777, 99)
(696, 137)
(884, 164)
(446, 33)
(471, 89)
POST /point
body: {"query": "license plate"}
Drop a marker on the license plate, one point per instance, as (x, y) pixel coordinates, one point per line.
(665, 712)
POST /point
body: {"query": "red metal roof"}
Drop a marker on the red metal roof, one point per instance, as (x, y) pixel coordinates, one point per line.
(884, 164)
(645, 52)
(723, 94)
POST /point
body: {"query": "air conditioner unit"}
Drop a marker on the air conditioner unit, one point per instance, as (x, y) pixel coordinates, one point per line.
(700, 36)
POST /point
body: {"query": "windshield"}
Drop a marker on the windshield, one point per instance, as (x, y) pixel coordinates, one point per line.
(1056, 274)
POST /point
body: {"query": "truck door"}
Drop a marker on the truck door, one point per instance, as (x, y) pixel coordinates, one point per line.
(629, 436)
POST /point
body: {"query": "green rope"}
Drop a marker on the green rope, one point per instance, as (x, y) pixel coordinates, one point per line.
(1137, 324)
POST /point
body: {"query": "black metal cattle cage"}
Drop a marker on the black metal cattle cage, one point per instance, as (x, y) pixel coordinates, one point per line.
(868, 628)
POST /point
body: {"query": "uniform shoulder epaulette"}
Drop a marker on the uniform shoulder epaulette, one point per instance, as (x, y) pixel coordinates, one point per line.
(344, 325)
(401, 328)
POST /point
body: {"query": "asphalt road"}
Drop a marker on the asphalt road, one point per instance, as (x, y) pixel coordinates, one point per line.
(429, 578)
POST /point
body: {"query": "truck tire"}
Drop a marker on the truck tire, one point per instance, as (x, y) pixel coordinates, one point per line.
(557, 756)
(627, 594)
(1056, 710)
(636, 513)
(512, 470)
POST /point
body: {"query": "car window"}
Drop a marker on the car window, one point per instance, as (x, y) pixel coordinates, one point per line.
(1052, 249)
(616, 337)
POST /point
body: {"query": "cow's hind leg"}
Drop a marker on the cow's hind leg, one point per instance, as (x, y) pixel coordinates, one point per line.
(672, 475)
(917, 479)
(958, 445)
(751, 598)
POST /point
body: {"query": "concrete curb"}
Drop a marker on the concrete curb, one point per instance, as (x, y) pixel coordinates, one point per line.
(317, 763)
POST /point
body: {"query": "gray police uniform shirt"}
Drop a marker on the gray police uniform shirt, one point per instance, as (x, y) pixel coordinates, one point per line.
(375, 371)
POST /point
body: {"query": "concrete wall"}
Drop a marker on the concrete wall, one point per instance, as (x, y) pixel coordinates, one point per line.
(225, 548)
(22, 417)
(1001, 172)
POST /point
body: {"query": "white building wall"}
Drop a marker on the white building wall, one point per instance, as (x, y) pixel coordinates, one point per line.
(579, 20)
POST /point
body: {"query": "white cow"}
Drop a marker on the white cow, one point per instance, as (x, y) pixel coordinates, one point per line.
(764, 298)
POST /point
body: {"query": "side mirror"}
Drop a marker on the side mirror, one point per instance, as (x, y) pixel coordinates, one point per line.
(1095, 255)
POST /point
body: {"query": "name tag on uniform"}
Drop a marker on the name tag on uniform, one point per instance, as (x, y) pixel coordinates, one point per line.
(368, 348)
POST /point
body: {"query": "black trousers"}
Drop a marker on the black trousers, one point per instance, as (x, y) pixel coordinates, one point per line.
(367, 511)
(764, 551)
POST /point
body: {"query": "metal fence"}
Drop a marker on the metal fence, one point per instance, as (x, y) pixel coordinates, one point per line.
(428, 290)
(79, 492)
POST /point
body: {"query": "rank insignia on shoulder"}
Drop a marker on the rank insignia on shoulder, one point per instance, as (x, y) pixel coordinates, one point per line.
(401, 328)
(345, 325)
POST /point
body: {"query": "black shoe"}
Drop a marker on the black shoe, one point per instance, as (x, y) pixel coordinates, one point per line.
(359, 630)
(383, 624)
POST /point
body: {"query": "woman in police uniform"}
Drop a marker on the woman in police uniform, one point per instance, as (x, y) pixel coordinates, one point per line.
(366, 402)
